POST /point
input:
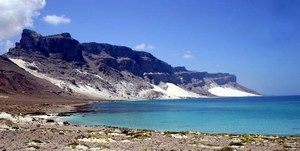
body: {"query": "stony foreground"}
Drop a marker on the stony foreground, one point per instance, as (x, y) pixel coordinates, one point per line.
(19, 133)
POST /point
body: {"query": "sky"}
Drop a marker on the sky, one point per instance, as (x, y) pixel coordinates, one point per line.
(257, 40)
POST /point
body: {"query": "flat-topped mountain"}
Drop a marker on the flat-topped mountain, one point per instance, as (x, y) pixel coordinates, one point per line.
(99, 70)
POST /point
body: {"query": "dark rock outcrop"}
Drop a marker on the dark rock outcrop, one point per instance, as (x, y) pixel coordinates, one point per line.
(180, 69)
(124, 59)
(61, 46)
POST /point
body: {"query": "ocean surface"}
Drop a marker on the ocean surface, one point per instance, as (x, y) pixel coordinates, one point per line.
(254, 115)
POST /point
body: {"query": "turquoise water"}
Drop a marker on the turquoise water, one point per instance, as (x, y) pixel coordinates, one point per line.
(255, 115)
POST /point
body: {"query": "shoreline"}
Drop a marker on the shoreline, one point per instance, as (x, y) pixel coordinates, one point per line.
(87, 110)
(45, 131)
(183, 131)
(50, 134)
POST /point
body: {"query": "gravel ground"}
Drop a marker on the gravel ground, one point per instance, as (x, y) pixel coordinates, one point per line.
(41, 134)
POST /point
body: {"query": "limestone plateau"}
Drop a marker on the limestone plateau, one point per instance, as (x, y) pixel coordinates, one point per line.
(63, 65)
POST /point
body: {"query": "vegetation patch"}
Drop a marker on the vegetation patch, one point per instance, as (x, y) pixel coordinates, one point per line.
(140, 135)
(179, 133)
(226, 149)
(81, 137)
(73, 145)
(106, 132)
(247, 139)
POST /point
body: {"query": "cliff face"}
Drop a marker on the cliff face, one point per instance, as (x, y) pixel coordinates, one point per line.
(124, 59)
(109, 71)
(63, 46)
(145, 65)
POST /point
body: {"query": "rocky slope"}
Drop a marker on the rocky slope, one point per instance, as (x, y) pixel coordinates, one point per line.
(13, 79)
(98, 70)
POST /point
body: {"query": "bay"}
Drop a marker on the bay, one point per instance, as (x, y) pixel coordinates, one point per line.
(278, 115)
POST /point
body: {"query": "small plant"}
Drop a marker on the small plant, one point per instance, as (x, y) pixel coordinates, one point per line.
(53, 130)
(140, 135)
(73, 145)
(106, 132)
(211, 145)
(226, 149)
(80, 137)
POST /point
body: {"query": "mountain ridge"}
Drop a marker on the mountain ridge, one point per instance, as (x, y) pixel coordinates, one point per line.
(111, 71)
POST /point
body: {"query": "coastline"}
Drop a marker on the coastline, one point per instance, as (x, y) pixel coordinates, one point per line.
(43, 129)
(35, 133)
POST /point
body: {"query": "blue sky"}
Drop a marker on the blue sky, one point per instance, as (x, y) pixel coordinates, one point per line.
(258, 40)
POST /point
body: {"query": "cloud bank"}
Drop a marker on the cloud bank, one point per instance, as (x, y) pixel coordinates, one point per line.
(56, 20)
(15, 15)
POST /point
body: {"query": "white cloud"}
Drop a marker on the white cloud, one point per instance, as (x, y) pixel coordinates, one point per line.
(56, 20)
(8, 45)
(5, 45)
(15, 15)
(143, 46)
(188, 55)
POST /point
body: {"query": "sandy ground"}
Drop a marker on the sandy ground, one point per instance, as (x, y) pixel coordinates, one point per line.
(24, 104)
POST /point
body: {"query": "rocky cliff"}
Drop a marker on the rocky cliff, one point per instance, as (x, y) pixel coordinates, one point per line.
(113, 72)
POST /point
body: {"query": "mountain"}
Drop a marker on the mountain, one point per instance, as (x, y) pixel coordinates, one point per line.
(104, 71)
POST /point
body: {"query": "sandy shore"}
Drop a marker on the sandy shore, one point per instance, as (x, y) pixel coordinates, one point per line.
(25, 104)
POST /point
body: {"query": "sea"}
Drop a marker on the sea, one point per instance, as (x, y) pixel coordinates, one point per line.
(268, 115)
